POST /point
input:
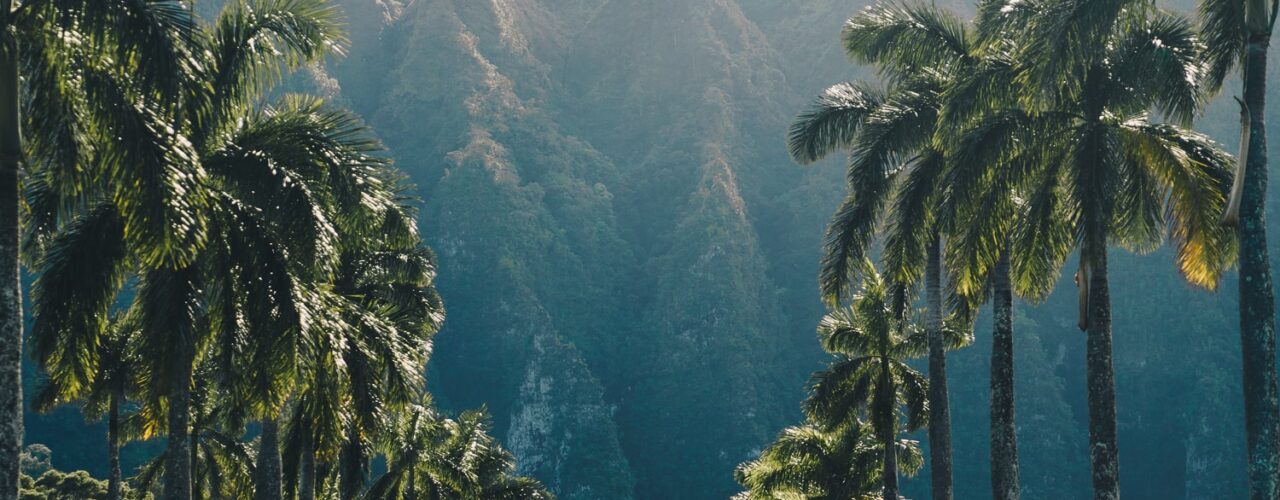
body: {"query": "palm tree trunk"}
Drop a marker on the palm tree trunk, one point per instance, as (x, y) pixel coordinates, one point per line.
(1004, 437)
(10, 287)
(177, 467)
(888, 434)
(269, 473)
(197, 490)
(113, 448)
(1257, 297)
(1101, 375)
(307, 479)
(939, 405)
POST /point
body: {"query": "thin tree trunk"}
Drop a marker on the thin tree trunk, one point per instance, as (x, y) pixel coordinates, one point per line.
(1101, 377)
(197, 490)
(939, 403)
(10, 287)
(307, 479)
(113, 449)
(1004, 437)
(177, 467)
(1257, 297)
(269, 469)
(888, 435)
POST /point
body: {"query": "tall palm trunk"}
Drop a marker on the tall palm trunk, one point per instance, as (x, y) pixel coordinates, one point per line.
(1257, 297)
(1101, 375)
(1004, 437)
(888, 434)
(197, 488)
(307, 479)
(269, 475)
(10, 288)
(113, 448)
(177, 467)
(939, 405)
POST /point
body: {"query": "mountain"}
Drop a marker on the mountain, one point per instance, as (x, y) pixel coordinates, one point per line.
(628, 256)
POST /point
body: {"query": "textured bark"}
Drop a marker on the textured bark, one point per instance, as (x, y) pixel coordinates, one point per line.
(177, 466)
(1257, 297)
(197, 482)
(1101, 376)
(939, 399)
(888, 434)
(307, 475)
(113, 449)
(269, 471)
(1004, 437)
(10, 288)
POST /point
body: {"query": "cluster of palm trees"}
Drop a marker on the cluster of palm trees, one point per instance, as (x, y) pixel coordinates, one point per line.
(997, 149)
(207, 261)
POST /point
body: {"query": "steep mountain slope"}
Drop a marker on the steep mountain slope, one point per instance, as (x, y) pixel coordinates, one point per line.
(667, 309)
(523, 223)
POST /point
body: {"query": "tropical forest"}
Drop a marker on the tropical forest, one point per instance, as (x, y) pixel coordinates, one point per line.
(638, 250)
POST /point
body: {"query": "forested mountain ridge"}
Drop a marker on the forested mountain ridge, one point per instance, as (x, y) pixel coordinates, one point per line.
(627, 253)
(564, 218)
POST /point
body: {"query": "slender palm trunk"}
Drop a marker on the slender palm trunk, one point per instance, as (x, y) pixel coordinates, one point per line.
(1004, 437)
(269, 475)
(1101, 375)
(113, 448)
(888, 433)
(1257, 297)
(10, 287)
(177, 467)
(939, 404)
(197, 490)
(307, 481)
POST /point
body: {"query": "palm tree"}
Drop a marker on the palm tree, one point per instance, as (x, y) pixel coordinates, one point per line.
(106, 393)
(386, 312)
(257, 184)
(46, 120)
(1239, 33)
(893, 157)
(1094, 169)
(222, 464)
(430, 456)
(872, 339)
(983, 207)
(808, 461)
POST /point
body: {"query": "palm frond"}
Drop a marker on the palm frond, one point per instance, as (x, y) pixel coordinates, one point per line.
(81, 272)
(903, 39)
(832, 121)
(152, 38)
(913, 219)
(1046, 236)
(1197, 174)
(1159, 63)
(160, 191)
(254, 42)
(1222, 24)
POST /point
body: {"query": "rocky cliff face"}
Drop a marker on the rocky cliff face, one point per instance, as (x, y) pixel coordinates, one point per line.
(609, 299)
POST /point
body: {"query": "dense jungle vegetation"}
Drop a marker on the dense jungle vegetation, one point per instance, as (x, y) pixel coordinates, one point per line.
(229, 230)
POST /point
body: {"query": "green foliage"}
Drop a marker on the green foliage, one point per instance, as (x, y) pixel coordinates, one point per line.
(856, 407)
(275, 258)
(437, 457)
(40, 481)
(809, 462)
